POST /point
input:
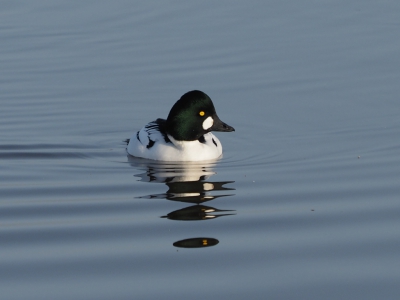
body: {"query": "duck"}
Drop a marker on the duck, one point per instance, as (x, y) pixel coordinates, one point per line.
(185, 135)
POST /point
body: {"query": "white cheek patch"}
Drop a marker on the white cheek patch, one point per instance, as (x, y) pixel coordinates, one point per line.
(208, 186)
(208, 123)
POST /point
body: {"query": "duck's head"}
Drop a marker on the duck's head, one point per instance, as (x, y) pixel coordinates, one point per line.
(192, 116)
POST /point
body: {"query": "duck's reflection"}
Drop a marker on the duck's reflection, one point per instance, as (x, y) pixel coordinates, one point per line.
(188, 183)
(191, 191)
(199, 242)
(196, 213)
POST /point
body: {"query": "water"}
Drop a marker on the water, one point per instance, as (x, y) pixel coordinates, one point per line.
(303, 204)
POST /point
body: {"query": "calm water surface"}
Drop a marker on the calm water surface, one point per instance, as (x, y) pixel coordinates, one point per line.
(304, 203)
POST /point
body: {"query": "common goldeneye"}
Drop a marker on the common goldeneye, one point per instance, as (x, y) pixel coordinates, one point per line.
(185, 135)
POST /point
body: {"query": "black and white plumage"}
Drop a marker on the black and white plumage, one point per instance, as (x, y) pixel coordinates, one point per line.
(185, 135)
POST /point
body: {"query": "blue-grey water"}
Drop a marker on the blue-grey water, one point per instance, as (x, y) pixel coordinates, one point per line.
(304, 203)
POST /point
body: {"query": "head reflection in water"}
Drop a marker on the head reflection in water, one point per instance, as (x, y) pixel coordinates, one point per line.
(199, 242)
(187, 183)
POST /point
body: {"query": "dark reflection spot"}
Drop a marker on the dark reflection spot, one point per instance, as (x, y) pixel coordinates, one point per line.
(200, 242)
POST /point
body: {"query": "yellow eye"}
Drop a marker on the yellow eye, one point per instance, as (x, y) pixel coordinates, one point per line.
(202, 113)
